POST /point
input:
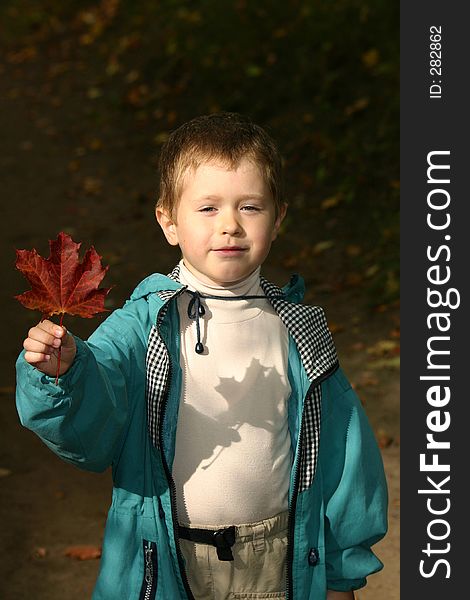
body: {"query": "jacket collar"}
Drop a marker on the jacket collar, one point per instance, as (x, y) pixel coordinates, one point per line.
(306, 324)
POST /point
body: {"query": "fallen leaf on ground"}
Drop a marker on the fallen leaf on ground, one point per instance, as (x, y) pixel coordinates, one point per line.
(381, 308)
(73, 166)
(353, 279)
(371, 271)
(368, 379)
(322, 246)
(383, 347)
(384, 440)
(40, 552)
(335, 327)
(330, 202)
(358, 105)
(83, 552)
(161, 137)
(370, 58)
(387, 363)
(92, 186)
(94, 93)
(353, 250)
(358, 346)
(95, 144)
(26, 54)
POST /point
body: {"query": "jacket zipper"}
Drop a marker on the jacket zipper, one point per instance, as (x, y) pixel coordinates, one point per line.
(295, 491)
(149, 587)
(170, 479)
(291, 521)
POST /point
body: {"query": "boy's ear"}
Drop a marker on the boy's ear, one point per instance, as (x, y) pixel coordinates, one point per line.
(168, 225)
(279, 219)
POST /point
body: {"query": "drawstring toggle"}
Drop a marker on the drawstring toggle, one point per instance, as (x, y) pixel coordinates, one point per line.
(196, 310)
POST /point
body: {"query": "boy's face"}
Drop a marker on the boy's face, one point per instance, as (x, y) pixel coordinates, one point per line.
(225, 222)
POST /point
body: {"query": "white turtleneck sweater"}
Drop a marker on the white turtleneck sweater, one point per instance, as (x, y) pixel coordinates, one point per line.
(233, 450)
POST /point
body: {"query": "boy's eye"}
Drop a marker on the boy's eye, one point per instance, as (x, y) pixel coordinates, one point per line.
(251, 208)
(207, 209)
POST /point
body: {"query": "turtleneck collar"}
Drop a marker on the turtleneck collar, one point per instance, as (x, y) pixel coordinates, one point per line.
(205, 302)
(249, 285)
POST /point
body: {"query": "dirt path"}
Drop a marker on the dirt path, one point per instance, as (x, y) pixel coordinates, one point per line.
(54, 177)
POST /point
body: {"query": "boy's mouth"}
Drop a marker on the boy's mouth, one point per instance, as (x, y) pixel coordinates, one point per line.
(230, 249)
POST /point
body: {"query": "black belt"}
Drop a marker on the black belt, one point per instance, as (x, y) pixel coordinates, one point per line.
(222, 539)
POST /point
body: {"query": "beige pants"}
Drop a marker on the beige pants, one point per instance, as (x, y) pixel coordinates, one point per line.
(257, 571)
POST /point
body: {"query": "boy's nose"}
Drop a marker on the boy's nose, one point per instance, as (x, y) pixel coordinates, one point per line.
(229, 224)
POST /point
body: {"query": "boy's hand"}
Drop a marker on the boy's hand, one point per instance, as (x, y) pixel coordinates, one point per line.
(42, 347)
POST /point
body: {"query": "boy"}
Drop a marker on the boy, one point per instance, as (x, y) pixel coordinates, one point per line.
(243, 463)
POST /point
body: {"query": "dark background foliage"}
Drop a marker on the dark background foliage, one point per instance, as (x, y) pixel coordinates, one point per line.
(322, 77)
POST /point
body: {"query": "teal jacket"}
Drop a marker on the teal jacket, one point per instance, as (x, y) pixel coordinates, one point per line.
(118, 406)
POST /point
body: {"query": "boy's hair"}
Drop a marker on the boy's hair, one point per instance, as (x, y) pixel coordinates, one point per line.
(224, 137)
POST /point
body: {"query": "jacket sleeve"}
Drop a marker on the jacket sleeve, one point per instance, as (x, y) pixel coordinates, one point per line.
(83, 418)
(355, 489)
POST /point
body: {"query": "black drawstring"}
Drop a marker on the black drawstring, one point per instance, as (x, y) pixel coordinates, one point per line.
(196, 310)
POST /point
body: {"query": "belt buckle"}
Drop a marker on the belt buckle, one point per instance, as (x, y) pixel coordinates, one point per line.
(224, 539)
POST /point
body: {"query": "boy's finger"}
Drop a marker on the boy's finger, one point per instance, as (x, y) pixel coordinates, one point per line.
(39, 334)
(57, 331)
(46, 326)
(52, 328)
(34, 346)
(35, 358)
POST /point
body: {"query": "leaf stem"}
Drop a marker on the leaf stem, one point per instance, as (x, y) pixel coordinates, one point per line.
(59, 353)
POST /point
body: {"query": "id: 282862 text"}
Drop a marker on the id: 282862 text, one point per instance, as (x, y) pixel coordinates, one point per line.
(435, 61)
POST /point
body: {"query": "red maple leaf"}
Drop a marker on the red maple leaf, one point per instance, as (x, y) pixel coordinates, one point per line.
(61, 284)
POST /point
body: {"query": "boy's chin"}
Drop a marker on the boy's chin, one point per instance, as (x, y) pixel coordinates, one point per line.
(222, 277)
(228, 279)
